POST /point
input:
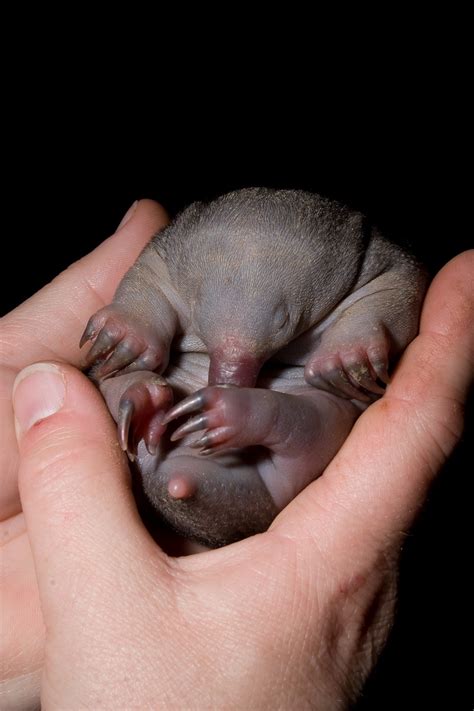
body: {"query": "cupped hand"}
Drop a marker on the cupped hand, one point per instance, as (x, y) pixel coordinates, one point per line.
(293, 618)
(47, 327)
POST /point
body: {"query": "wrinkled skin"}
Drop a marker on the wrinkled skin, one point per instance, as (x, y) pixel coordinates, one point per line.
(276, 316)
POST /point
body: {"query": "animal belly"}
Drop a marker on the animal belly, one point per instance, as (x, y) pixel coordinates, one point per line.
(214, 500)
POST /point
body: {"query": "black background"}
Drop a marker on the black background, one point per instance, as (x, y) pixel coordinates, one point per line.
(77, 170)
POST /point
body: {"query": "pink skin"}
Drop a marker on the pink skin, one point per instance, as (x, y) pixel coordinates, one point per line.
(232, 414)
(46, 328)
(301, 428)
(234, 367)
(287, 424)
(139, 402)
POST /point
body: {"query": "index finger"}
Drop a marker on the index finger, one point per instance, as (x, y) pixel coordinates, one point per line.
(49, 324)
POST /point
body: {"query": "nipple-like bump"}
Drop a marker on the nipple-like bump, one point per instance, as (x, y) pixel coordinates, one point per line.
(181, 487)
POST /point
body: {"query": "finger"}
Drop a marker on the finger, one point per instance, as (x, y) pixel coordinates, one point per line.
(369, 495)
(49, 324)
(81, 518)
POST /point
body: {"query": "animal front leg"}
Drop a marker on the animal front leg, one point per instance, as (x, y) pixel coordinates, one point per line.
(352, 360)
(231, 417)
(303, 431)
(138, 403)
(131, 341)
(355, 351)
(134, 332)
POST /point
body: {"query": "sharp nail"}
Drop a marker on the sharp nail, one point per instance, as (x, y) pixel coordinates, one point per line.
(194, 402)
(201, 442)
(204, 452)
(193, 425)
(86, 336)
(125, 417)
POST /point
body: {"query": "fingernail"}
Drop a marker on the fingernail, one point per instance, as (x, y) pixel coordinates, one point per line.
(127, 215)
(38, 392)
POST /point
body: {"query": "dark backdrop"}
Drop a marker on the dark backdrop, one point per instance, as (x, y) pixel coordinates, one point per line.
(73, 185)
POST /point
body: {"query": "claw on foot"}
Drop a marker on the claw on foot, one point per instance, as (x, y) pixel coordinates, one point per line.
(88, 334)
(358, 374)
(141, 414)
(185, 407)
(201, 422)
(126, 410)
(216, 435)
(120, 343)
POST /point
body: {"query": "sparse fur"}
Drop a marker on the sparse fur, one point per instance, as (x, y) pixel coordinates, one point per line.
(293, 299)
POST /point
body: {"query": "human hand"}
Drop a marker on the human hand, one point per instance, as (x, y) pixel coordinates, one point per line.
(44, 327)
(292, 618)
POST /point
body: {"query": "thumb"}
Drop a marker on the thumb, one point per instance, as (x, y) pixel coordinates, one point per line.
(371, 492)
(75, 487)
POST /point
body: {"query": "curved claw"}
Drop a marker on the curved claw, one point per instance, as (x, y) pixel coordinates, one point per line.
(122, 356)
(213, 440)
(148, 360)
(370, 385)
(154, 432)
(379, 366)
(337, 383)
(200, 422)
(141, 413)
(88, 334)
(125, 415)
(104, 343)
(361, 377)
(189, 404)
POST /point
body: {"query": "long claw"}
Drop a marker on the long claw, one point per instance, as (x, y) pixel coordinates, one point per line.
(339, 384)
(154, 432)
(140, 363)
(190, 404)
(201, 422)
(380, 368)
(371, 386)
(88, 334)
(101, 347)
(122, 355)
(124, 420)
(360, 376)
(214, 438)
(201, 442)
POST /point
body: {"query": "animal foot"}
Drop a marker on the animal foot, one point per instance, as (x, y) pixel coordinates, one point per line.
(357, 372)
(120, 343)
(219, 408)
(141, 413)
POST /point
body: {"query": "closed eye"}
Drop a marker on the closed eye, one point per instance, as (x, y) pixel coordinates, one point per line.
(281, 319)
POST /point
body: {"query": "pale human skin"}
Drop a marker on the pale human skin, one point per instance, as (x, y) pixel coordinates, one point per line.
(129, 627)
